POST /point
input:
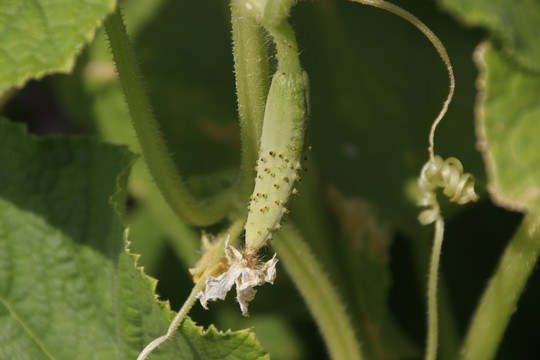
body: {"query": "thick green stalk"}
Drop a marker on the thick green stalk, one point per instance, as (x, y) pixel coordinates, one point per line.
(252, 83)
(154, 150)
(319, 294)
(503, 291)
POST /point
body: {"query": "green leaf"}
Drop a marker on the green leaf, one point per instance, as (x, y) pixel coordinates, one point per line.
(515, 23)
(41, 37)
(68, 287)
(274, 330)
(509, 128)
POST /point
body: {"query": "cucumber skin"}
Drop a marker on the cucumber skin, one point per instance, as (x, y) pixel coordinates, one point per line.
(282, 145)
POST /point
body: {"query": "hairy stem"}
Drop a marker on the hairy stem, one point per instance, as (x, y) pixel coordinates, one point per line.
(180, 316)
(252, 84)
(449, 336)
(319, 294)
(286, 46)
(433, 323)
(154, 150)
(503, 291)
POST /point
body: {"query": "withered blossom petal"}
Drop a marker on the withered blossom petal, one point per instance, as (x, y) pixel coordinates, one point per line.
(245, 277)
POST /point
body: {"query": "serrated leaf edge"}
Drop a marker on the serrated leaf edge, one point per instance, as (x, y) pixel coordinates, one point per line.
(165, 305)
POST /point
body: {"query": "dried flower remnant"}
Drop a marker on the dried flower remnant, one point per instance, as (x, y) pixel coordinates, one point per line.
(210, 248)
(246, 271)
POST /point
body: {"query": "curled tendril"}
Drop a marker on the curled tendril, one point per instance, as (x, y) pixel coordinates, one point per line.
(447, 174)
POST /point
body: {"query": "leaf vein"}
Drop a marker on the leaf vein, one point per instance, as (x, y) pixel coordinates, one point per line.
(27, 328)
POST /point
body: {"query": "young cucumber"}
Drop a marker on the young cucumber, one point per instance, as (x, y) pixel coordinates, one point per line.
(282, 145)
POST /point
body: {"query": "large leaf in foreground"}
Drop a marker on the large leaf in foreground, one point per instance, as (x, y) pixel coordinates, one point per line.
(68, 288)
(40, 37)
(509, 128)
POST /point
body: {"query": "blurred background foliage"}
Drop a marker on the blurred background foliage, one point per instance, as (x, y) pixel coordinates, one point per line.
(376, 86)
